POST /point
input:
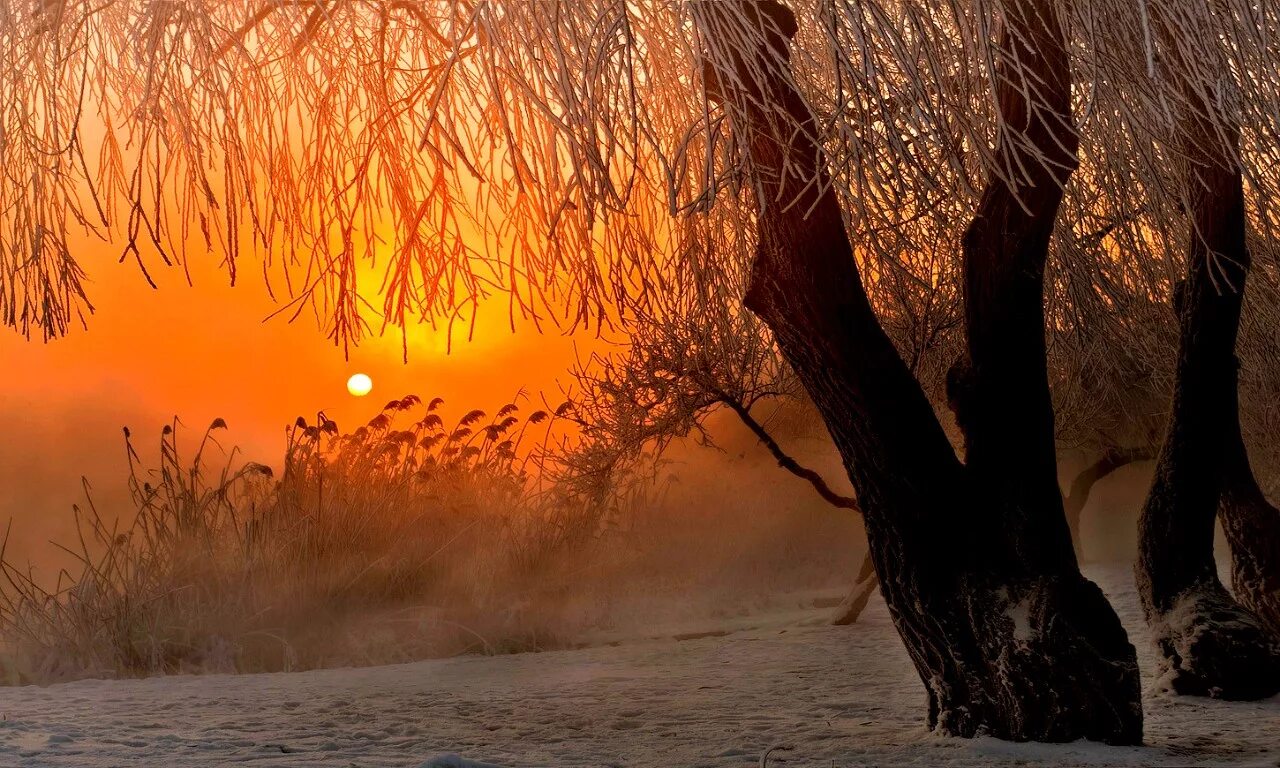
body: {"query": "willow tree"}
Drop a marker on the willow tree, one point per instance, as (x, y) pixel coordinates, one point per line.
(974, 558)
(401, 162)
(1210, 643)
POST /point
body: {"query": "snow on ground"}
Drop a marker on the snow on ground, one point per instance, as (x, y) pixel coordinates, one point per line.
(838, 696)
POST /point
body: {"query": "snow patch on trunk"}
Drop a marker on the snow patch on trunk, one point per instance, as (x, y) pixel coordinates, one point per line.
(1020, 614)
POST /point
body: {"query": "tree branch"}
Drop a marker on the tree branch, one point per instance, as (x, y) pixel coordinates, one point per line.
(1078, 494)
(785, 460)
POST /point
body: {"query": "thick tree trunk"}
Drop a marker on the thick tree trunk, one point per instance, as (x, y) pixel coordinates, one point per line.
(1001, 392)
(1005, 644)
(1209, 644)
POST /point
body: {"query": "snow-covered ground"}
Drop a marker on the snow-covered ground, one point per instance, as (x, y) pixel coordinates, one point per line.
(835, 696)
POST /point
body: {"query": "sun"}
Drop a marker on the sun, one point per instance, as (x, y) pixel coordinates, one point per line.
(359, 385)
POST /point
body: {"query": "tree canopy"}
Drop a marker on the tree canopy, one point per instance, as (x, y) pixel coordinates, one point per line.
(396, 162)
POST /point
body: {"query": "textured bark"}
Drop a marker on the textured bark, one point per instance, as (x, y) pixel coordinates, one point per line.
(1077, 496)
(1001, 392)
(1252, 528)
(1005, 644)
(1210, 645)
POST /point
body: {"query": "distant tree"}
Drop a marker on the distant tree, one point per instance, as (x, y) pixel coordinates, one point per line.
(1109, 366)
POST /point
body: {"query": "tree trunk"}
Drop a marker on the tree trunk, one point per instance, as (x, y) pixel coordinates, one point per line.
(1000, 393)
(1005, 644)
(851, 608)
(1210, 645)
(1252, 528)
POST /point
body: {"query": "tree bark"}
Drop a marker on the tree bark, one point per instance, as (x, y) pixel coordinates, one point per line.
(1001, 392)
(1210, 645)
(1252, 528)
(1005, 644)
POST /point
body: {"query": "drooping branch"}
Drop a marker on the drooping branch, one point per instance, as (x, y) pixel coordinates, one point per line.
(785, 460)
(482, 145)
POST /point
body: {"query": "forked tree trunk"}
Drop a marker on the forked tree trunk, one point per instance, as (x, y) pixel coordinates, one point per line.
(976, 570)
(1209, 644)
(1000, 393)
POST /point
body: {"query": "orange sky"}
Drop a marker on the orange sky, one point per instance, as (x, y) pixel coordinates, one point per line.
(203, 352)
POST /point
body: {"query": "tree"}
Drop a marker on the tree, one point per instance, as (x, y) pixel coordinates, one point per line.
(1210, 644)
(688, 356)
(1005, 633)
(1109, 362)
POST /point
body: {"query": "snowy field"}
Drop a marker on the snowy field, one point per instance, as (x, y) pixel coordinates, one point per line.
(835, 696)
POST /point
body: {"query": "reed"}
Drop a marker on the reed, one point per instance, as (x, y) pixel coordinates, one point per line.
(412, 536)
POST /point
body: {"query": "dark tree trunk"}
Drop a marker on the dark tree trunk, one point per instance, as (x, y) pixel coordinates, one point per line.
(1000, 394)
(977, 570)
(1077, 496)
(1252, 528)
(1210, 645)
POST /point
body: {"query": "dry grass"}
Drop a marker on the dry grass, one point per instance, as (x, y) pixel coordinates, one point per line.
(406, 538)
